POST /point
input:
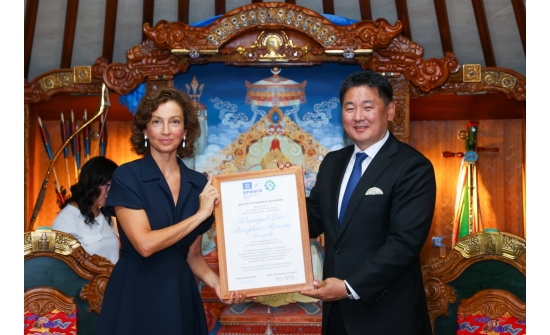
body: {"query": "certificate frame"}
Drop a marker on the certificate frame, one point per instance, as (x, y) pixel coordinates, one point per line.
(224, 231)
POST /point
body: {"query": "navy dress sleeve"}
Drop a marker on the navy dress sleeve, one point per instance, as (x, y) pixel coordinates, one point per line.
(123, 191)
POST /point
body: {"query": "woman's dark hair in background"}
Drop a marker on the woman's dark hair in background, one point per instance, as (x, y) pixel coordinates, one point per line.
(150, 103)
(94, 173)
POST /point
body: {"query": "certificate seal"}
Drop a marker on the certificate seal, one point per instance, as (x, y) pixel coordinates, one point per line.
(269, 185)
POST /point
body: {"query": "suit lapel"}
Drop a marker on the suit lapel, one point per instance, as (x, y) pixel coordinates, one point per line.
(376, 167)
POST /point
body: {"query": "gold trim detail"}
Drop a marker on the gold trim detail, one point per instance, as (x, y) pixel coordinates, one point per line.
(491, 243)
(56, 80)
(82, 74)
(471, 73)
(262, 16)
(49, 240)
(497, 78)
(273, 46)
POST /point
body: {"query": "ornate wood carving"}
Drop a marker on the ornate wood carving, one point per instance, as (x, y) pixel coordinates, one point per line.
(405, 56)
(43, 300)
(466, 252)
(144, 59)
(60, 81)
(400, 124)
(493, 303)
(273, 16)
(155, 82)
(94, 268)
(94, 292)
(493, 79)
(311, 39)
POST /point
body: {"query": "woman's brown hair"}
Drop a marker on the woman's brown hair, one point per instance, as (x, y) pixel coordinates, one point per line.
(149, 103)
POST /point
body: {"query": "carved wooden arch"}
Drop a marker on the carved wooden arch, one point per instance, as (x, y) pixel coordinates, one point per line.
(66, 248)
(76, 80)
(471, 249)
(231, 39)
(42, 300)
(273, 16)
(493, 303)
(489, 79)
(383, 50)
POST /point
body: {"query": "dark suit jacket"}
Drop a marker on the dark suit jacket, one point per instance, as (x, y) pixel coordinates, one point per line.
(377, 248)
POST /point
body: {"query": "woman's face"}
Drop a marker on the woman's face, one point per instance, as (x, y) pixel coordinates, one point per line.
(165, 130)
(102, 198)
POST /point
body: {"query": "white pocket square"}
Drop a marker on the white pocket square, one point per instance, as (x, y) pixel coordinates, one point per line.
(374, 191)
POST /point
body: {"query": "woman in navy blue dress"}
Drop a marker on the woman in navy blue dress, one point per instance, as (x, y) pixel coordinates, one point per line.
(162, 208)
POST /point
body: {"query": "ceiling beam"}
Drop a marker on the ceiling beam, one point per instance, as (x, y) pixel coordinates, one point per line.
(443, 24)
(183, 11)
(68, 35)
(109, 30)
(219, 7)
(148, 14)
(484, 34)
(31, 12)
(328, 6)
(403, 16)
(365, 9)
(519, 11)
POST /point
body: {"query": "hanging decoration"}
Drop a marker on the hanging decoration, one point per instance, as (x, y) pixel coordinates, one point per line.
(103, 136)
(46, 140)
(467, 218)
(103, 104)
(64, 131)
(87, 133)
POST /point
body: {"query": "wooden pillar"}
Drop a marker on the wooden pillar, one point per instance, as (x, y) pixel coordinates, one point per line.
(401, 97)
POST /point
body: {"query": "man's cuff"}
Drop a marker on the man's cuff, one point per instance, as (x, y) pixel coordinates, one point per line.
(355, 295)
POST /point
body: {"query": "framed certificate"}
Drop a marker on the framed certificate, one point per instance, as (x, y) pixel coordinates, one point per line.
(263, 238)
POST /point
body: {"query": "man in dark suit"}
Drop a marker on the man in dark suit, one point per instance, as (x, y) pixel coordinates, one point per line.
(374, 231)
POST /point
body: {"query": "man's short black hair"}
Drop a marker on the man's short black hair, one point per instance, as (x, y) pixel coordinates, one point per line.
(371, 79)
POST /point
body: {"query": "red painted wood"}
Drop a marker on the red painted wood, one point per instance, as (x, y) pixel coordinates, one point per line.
(463, 107)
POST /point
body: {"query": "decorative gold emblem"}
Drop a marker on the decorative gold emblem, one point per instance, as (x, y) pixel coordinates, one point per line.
(43, 240)
(471, 73)
(82, 74)
(490, 243)
(273, 46)
(502, 79)
(46, 239)
(56, 80)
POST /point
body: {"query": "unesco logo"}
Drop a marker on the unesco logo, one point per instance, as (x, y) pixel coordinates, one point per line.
(269, 185)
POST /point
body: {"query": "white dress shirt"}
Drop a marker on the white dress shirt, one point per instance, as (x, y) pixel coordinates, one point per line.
(98, 238)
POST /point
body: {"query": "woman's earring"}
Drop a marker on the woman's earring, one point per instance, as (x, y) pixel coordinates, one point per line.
(145, 137)
(183, 143)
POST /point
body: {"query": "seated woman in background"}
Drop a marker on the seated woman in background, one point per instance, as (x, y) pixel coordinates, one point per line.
(81, 215)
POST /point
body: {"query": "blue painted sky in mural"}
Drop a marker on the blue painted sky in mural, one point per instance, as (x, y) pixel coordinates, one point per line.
(227, 83)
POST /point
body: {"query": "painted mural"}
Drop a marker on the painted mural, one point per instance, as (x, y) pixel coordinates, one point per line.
(252, 117)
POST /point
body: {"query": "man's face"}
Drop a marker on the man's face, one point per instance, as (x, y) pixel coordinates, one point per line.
(364, 116)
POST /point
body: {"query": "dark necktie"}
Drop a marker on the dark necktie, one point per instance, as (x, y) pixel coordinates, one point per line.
(352, 182)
